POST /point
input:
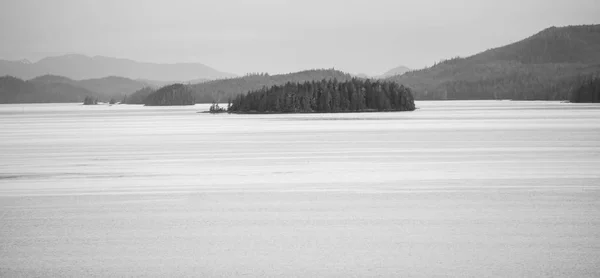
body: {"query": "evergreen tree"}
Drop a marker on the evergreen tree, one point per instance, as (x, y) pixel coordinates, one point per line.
(326, 96)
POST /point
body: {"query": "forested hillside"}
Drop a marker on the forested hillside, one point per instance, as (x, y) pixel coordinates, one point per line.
(589, 91)
(355, 95)
(107, 87)
(176, 94)
(395, 71)
(79, 67)
(15, 90)
(139, 96)
(53, 88)
(112, 86)
(222, 90)
(546, 66)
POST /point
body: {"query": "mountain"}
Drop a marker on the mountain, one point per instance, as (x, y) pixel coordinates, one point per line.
(106, 88)
(139, 96)
(46, 87)
(400, 70)
(589, 91)
(16, 90)
(112, 86)
(53, 79)
(158, 84)
(361, 75)
(225, 89)
(176, 94)
(545, 66)
(78, 67)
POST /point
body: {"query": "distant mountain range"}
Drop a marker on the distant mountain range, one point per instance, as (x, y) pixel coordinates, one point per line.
(53, 88)
(226, 89)
(546, 66)
(549, 65)
(395, 71)
(158, 84)
(77, 67)
(399, 70)
(106, 88)
(16, 90)
(223, 90)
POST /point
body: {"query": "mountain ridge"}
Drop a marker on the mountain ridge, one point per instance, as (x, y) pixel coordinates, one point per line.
(79, 67)
(399, 70)
(222, 90)
(16, 90)
(543, 66)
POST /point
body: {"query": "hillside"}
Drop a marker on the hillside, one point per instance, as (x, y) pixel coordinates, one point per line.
(176, 94)
(106, 88)
(75, 66)
(158, 84)
(223, 90)
(139, 96)
(325, 96)
(395, 71)
(545, 66)
(112, 86)
(589, 91)
(15, 90)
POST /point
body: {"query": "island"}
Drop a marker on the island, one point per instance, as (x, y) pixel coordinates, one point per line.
(176, 94)
(326, 96)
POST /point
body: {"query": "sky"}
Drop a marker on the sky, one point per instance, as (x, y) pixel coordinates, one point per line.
(279, 36)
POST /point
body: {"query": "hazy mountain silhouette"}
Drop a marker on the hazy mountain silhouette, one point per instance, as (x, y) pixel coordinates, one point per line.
(112, 86)
(136, 91)
(79, 67)
(106, 88)
(361, 75)
(16, 90)
(176, 94)
(222, 90)
(545, 66)
(158, 84)
(395, 71)
(139, 96)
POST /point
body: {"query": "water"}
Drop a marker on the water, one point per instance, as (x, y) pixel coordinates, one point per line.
(469, 188)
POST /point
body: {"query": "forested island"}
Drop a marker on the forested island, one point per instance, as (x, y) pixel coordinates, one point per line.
(176, 94)
(326, 96)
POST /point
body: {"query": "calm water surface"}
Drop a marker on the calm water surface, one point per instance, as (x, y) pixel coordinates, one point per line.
(469, 188)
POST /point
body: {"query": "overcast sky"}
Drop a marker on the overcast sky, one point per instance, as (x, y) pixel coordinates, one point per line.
(278, 36)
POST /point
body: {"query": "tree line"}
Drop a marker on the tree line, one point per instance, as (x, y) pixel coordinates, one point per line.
(176, 94)
(355, 95)
(588, 91)
(222, 90)
(90, 101)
